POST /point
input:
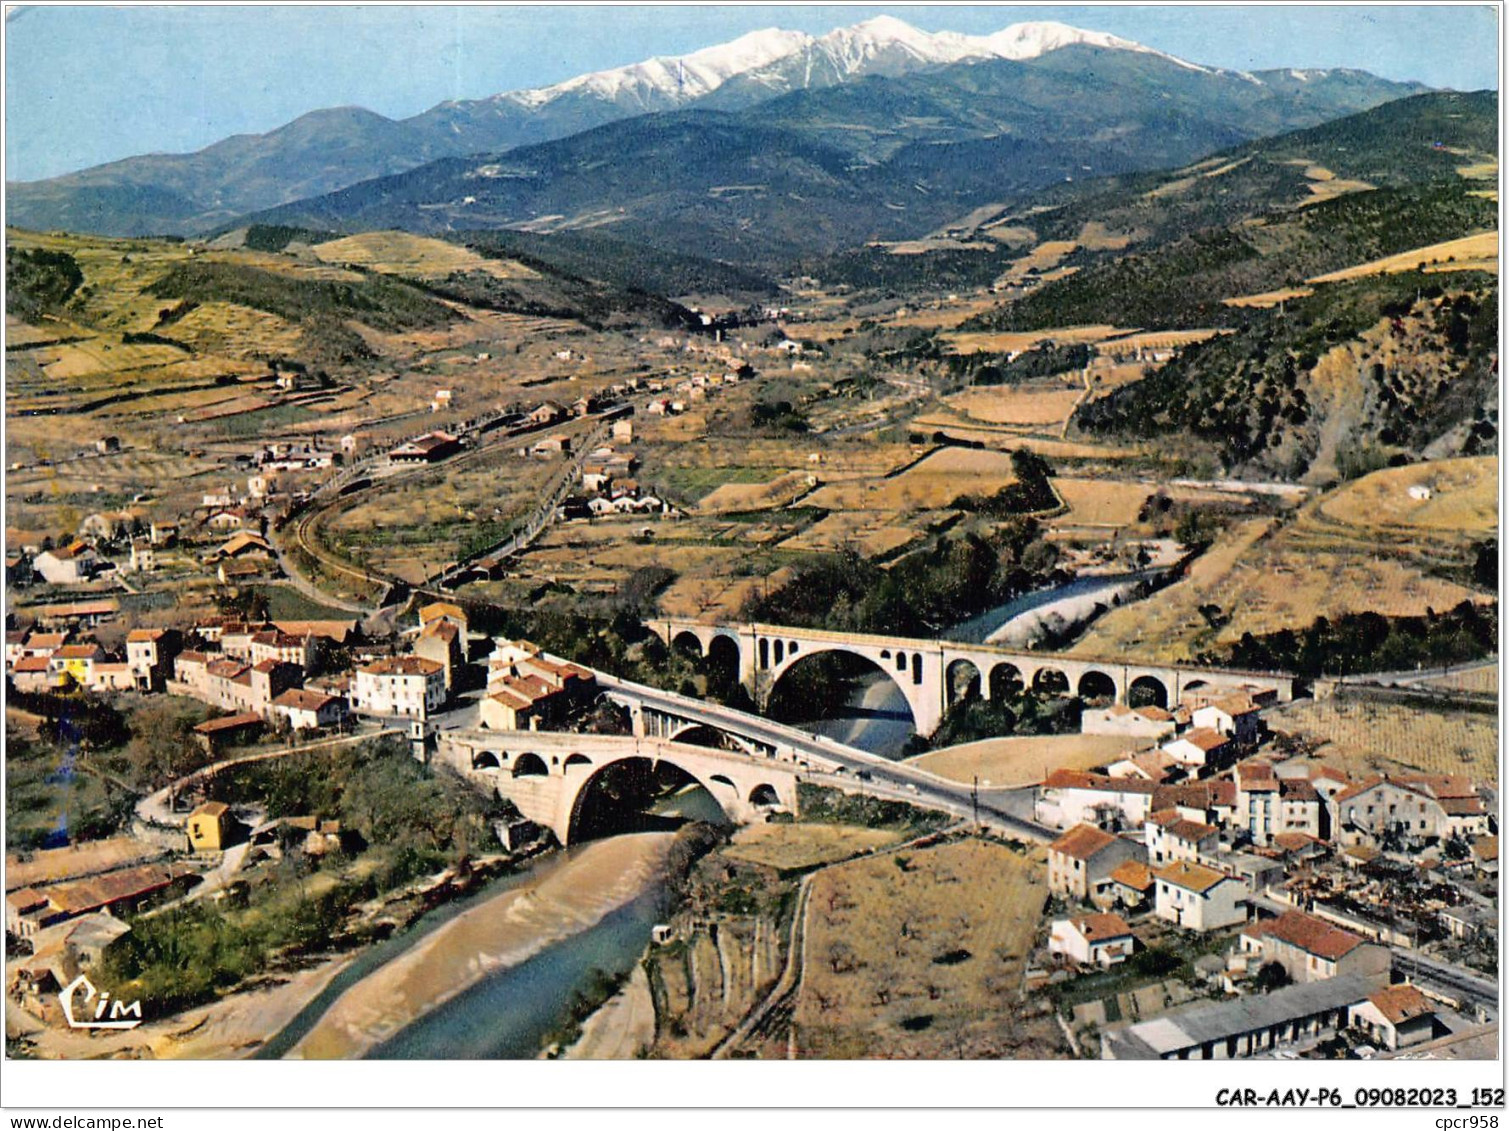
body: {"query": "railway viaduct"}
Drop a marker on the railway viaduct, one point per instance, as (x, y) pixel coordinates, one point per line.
(933, 674)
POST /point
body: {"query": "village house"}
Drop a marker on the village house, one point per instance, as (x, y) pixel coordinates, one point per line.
(215, 734)
(1170, 836)
(1236, 717)
(1130, 885)
(274, 644)
(15, 647)
(442, 641)
(528, 690)
(34, 673)
(112, 675)
(1310, 949)
(1156, 766)
(76, 662)
(309, 710)
(546, 413)
(44, 644)
(551, 446)
(1485, 856)
(67, 565)
(86, 944)
(1199, 898)
(407, 686)
(1070, 797)
(246, 570)
(1101, 940)
(432, 447)
(1416, 807)
(1201, 750)
(1396, 1017)
(1083, 857)
(443, 610)
(209, 827)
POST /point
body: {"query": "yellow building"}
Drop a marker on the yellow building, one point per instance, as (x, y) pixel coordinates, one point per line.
(209, 826)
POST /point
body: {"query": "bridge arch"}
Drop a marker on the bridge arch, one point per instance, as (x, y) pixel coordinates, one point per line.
(1147, 691)
(688, 643)
(962, 681)
(700, 734)
(764, 796)
(575, 760)
(1005, 681)
(529, 765)
(1050, 681)
(1095, 684)
(723, 653)
(486, 760)
(617, 792)
(788, 700)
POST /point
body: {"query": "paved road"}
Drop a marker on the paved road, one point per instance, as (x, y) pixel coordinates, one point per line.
(836, 763)
(1475, 987)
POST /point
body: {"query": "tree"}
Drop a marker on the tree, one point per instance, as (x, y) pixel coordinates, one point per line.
(1271, 976)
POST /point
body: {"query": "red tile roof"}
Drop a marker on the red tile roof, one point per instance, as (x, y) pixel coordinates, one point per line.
(1133, 874)
(1401, 1003)
(1312, 935)
(1083, 842)
(1204, 738)
(1191, 877)
(1098, 928)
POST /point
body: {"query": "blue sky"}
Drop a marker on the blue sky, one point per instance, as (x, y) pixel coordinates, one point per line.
(84, 85)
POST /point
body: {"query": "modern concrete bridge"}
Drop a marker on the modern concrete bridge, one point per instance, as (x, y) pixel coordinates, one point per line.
(933, 674)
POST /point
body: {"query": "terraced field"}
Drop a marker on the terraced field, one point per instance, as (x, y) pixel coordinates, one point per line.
(920, 955)
(1364, 737)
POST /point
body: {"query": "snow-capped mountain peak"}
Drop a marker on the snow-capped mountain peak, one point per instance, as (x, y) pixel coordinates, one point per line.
(675, 79)
(774, 60)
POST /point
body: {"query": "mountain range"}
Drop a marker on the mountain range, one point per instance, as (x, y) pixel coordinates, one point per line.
(859, 112)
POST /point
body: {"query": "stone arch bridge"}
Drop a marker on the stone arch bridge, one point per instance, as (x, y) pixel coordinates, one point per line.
(932, 673)
(547, 774)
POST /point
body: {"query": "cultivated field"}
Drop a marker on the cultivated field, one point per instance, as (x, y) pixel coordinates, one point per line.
(1036, 404)
(1483, 679)
(1005, 763)
(932, 483)
(1364, 737)
(787, 847)
(1100, 502)
(399, 253)
(1470, 253)
(921, 955)
(1463, 499)
(1008, 341)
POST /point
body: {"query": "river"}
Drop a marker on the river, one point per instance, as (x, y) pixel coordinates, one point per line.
(493, 979)
(979, 629)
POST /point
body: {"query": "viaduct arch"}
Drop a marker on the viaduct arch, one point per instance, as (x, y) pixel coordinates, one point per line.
(925, 670)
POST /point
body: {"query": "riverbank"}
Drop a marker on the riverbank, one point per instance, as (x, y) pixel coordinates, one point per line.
(622, 1028)
(567, 895)
(232, 1028)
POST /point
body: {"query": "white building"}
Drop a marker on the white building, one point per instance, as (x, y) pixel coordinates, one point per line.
(408, 686)
(1103, 939)
(309, 710)
(1199, 898)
